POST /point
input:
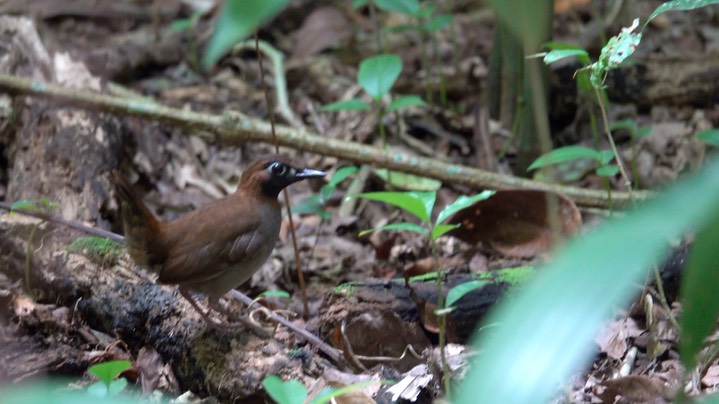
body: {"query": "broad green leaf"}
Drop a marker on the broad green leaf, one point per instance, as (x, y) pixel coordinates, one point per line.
(407, 7)
(710, 136)
(546, 330)
(56, 391)
(462, 202)
(441, 229)
(275, 293)
(438, 23)
(607, 171)
(402, 200)
(563, 154)
(377, 74)
(615, 52)
(405, 102)
(428, 199)
(529, 20)
(398, 226)
(108, 371)
(460, 290)
(680, 5)
(559, 54)
(408, 182)
(605, 156)
(289, 392)
(341, 174)
(329, 393)
(699, 297)
(347, 105)
(359, 3)
(238, 19)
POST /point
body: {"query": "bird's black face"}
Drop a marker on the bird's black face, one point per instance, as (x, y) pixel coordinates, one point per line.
(280, 174)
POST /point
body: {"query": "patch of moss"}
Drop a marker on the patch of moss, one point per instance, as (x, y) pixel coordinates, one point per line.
(99, 250)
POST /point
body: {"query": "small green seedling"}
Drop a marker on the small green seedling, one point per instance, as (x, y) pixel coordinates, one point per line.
(421, 204)
(43, 206)
(317, 203)
(108, 385)
(294, 392)
(376, 76)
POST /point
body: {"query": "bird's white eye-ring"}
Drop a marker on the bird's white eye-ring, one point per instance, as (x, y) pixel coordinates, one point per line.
(278, 169)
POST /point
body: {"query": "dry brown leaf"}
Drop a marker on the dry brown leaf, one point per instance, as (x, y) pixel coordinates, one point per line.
(516, 222)
(613, 340)
(324, 28)
(633, 389)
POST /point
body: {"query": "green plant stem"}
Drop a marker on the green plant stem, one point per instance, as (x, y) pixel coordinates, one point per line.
(627, 183)
(438, 67)
(663, 298)
(425, 66)
(28, 254)
(377, 26)
(442, 320)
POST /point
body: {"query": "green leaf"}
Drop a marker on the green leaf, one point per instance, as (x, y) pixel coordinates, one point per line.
(438, 23)
(559, 54)
(427, 199)
(275, 293)
(377, 74)
(618, 49)
(353, 104)
(547, 329)
(462, 202)
(397, 226)
(710, 136)
(238, 19)
(680, 5)
(626, 124)
(408, 7)
(441, 229)
(405, 102)
(289, 392)
(460, 290)
(34, 205)
(108, 371)
(563, 154)
(359, 3)
(605, 156)
(341, 174)
(607, 171)
(329, 393)
(699, 297)
(408, 182)
(402, 200)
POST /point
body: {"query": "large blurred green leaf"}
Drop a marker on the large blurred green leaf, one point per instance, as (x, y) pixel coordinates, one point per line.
(545, 332)
(699, 297)
(407, 7)
(377, 74)
(526, 19)
(238, 19)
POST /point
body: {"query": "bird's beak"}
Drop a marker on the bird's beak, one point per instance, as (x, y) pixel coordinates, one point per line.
(309, 173)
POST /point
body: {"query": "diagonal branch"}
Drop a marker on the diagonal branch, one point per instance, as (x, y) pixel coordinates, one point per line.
(236, 128)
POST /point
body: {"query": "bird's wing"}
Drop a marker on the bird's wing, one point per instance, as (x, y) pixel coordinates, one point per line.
(214, 242)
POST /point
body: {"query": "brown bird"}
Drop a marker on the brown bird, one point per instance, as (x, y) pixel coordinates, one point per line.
(217, 247)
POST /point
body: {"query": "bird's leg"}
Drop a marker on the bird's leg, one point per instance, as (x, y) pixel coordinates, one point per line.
(246, 322)
(193, 303)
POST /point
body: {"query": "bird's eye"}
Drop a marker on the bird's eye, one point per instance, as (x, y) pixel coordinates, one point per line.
(278, 169)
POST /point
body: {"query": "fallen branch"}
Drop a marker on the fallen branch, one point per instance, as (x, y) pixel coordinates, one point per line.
(235, 128)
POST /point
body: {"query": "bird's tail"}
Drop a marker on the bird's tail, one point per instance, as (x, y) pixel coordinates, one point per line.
(141, 227)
